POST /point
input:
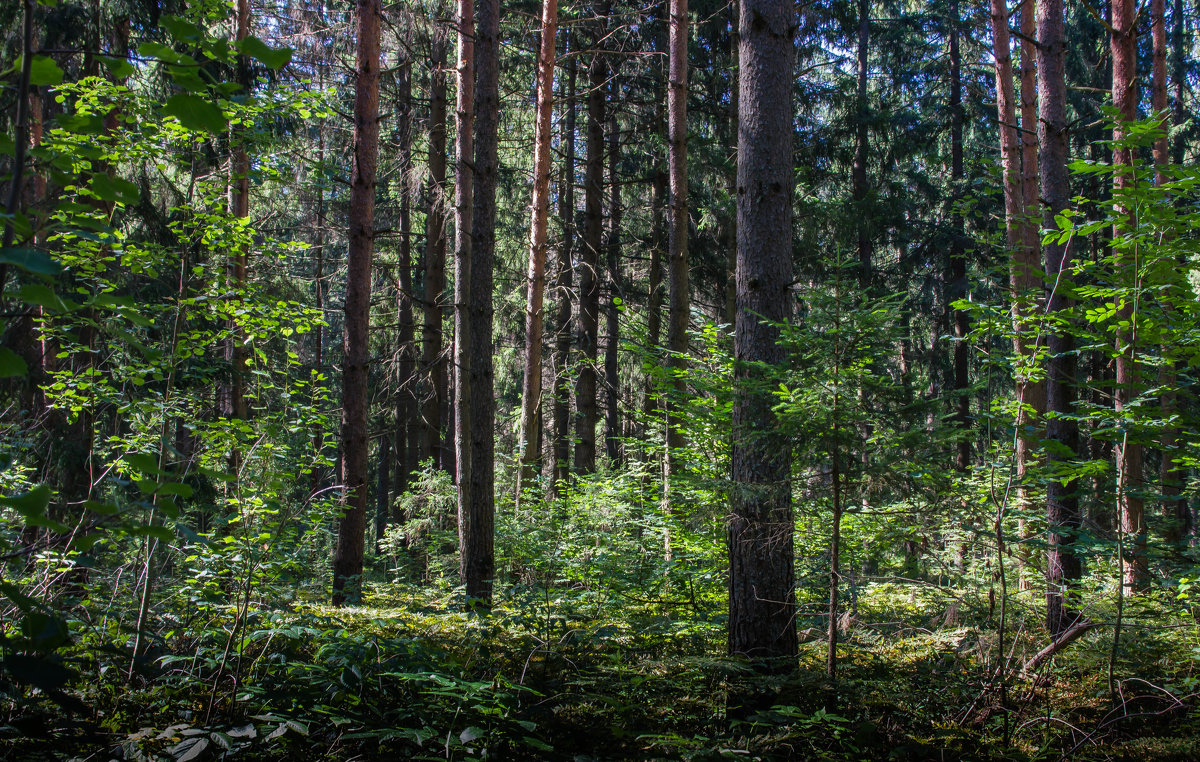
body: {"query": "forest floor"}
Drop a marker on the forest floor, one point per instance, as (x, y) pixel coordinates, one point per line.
(588, 675)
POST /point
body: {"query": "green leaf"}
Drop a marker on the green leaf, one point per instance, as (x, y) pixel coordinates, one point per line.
(272, 58)
(145, 463)
(159, 533)
(30, 504)
(11, 364)
(119, 68)
(44, 71)
(42, 296)
(195, 113)
(175, 488)
(40, 672)
(30, 260)
(181, 29)
(7, 146)
(114, 189)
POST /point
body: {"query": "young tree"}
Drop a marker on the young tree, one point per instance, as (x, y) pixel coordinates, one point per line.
(762, 624)
(348, 556)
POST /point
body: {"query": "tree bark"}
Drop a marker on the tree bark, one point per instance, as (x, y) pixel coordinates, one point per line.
(861, 147)
(407, 430)
(1129, 451)
(561, 421)
(678, 287)
(612, 382)
(531, 388)
(586, 415)
(762, 622)
(476, 513)
(432, 359)
(1063, 567)
(958, 260)
(348, 556)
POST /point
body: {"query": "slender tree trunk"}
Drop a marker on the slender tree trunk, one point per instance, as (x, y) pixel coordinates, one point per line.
(476, 512)
(407, 429)
(1129, 452)
(432, 357)
(1172, 474)
(464, 210)
(861, 147)
(531, 389)
(586, 415)
(1063, 567)
(612, 383)
(958, 259)
(679, 290)
(348, 556)
(239, 207)
(562, 287)
(383, 489)
(730, 315)
(762, 623)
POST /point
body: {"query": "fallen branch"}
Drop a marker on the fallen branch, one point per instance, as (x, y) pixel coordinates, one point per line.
(1064, 640)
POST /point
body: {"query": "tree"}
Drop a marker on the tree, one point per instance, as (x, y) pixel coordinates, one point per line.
(560, 421)
(531, 389)
(432, 360)
(348, 556)
(1063, 567)
(762, 622)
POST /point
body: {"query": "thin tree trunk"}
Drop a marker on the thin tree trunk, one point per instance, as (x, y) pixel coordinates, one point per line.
(762, 623)
(531, 389)
(432, 357)
(383, 491)
(586, 415)
(612, 383)
(861, 147)
(678, 287)
(1063, 567)
(239, 207)
(348, 557)
(562, 287)
(407, 429)
(476, 512)
(958, 259)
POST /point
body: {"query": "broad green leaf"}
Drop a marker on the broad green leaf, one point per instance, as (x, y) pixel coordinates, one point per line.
(195, 113)
(181, 29)
(114, 189)
(30, 504)
(42, 296)
(119, 68)
(159, 533)
(42, 673)
(145, 463)
(11, 364)
(30, 260)
(44, 71)
(272, 58)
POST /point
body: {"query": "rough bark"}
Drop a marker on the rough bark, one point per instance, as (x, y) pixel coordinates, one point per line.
(612, 383)
(1063, 567)
(535, 283)
(1129, 451)
(348, 556)
(434, 395)
(407, 430)
(586, 410)
(761, 575)
(476, 514)
(561, 419)
(239, 207)
(464, 210)
(958, 258)
(859, 172)
(678, 287)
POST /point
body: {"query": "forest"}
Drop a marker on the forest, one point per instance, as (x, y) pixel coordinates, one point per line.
(603, 380)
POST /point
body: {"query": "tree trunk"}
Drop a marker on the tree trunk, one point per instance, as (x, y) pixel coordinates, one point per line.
(958, 259)
(383, 491)
(239, 207)
(407, 430)
(348, 556)
(1129, 452)
(586, 415)
(678, 288)
(531, 389)
(762, 610)
(464, 209)
(859, 173)
(1063, 567)
(561, 422)
(434, 396)
(476, 511)
(612, 382)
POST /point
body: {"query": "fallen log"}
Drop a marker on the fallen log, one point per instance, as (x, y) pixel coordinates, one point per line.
(1064, 640)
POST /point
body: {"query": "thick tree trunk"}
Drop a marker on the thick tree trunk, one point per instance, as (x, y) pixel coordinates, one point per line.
(1129, 452)
(531, 388)
(586, 415)
(678, 287)
(476, 514)
(762, 623)
(561, 422)
(1063, 567)
(433, 361)
(348, 557)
